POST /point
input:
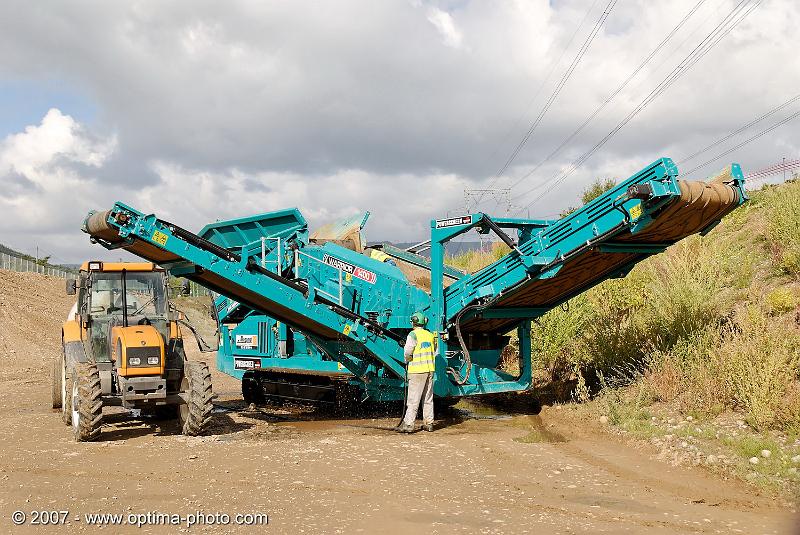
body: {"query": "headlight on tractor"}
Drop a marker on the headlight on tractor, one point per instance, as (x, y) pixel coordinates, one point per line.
(143, 356)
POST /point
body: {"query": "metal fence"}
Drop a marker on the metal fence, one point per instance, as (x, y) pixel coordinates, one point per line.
(195, 290)
(16, 263)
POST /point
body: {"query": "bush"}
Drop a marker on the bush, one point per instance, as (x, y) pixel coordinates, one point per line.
(783, 215)
(757, 364)
(687, 291)
(751, 364)
(781, 300)
(557, 338)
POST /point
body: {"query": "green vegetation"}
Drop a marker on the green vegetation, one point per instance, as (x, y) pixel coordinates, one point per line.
(711, 325)
(593, 191)
(783, 227)
(472, 261)
(597, 188)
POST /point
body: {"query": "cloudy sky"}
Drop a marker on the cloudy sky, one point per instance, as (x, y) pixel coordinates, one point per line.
(204, 110)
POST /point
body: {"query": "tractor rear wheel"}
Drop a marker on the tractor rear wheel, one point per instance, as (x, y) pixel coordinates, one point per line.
(58, 381)
(87, 402)
(195, 415)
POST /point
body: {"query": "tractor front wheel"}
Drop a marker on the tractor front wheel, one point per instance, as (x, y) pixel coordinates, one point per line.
(66, 392)
(87, 402)
(58, 381)
(195, 415)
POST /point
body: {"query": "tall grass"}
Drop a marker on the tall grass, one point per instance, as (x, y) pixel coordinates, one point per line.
(751, 364)
(715, 318)
(619, 323)
(474, 260)
(712, 324)
(784, 226)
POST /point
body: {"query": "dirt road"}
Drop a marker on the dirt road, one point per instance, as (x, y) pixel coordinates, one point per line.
(474, 474)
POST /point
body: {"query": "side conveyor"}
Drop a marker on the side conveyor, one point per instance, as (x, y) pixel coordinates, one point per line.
(225, 272)
(580, 263)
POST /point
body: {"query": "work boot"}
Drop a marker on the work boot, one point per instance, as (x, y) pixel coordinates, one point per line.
(402, 428)
(428, 428)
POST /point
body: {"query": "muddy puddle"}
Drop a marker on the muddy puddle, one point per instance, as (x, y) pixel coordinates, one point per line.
(385, 419)
(305, 419)
(538, 431)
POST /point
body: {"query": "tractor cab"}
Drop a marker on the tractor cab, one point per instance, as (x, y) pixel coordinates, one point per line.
(118, 296)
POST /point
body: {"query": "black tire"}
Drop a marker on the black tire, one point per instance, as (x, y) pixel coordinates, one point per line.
(195, 415)
(252, 393)
(58, 381)
(66, 395)
(88, 402)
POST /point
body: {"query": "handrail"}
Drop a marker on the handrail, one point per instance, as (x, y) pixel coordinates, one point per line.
(264, 261)
(298, 253)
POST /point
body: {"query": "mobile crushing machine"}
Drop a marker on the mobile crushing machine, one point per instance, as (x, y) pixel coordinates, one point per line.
(354, 311)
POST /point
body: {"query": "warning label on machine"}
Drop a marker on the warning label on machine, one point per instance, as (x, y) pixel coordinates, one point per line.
(246, 341)
(350, 269)
(453, 221)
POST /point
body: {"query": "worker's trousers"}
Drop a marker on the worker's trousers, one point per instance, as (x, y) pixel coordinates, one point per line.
(420, 388)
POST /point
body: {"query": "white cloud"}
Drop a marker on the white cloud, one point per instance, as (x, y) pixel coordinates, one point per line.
(43, 176)
(222, 110)
(194, 198)
(60, 195)
(451, 36)
(37, 153)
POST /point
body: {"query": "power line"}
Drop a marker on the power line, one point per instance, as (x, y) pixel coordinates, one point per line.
(564, 78)
(616, 92)
(745, 142)
(720, 31)
(544, 82)
(679, 47)
(793, 166)
(741, 129)
(774, 169)
(559, 86)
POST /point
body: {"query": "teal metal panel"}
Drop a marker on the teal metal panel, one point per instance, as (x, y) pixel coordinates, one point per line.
(235, 233)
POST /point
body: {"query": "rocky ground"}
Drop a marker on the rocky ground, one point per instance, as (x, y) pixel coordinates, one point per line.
(480, 472)
(724, 445)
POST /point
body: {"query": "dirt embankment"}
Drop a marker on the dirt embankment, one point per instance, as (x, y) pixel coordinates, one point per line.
(311, 473)
(32, 309)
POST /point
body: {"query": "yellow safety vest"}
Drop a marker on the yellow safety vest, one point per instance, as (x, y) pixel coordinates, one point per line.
(380, 256)
(423, 359)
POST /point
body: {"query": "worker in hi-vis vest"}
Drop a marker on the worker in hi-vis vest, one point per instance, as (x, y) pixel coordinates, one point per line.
(380, 256)
(420, 351)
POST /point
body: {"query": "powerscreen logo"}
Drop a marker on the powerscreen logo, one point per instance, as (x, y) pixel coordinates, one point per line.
(453, 221)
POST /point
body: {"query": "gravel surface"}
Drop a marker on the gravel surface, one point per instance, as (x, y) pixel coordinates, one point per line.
(314, 473)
